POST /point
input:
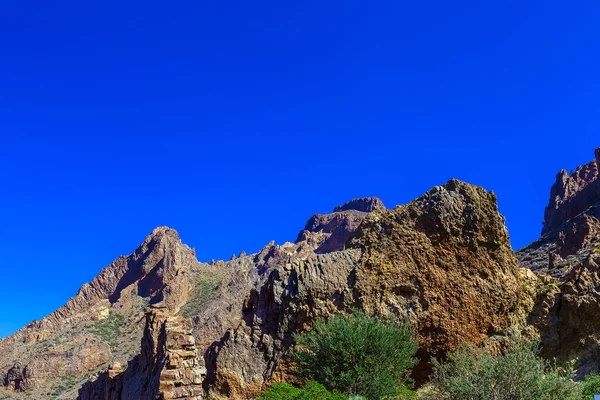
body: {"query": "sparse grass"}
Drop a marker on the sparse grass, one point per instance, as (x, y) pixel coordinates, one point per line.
(109, 329)
(66, 383)
(204, 291)
(563, 264)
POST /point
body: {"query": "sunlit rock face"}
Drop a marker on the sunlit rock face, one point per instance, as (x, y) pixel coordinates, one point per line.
(160, 324)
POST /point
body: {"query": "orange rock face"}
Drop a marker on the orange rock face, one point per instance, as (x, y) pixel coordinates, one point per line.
(444, 261)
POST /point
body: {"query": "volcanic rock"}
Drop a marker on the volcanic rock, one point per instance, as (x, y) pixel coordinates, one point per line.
(225, 329)
(573, 194)
(331, 231)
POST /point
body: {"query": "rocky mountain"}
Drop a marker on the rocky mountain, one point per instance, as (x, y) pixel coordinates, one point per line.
(158, 324)
(566, 260)
(572, 194)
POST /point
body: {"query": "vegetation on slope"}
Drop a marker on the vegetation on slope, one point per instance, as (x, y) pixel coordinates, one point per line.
(368, 356)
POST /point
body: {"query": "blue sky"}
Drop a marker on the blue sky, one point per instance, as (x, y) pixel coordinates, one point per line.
(233, 122)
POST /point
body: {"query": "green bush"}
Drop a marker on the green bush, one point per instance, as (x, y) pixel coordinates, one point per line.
(369, 356)
(109, 328)
(312, 391)
(204, 291)
(316, 391)
(65, 383)
(591, 386)
(280, 391)
(517, 373)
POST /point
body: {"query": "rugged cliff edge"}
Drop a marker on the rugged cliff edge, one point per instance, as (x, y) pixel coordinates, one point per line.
(566, 259)
(169, 327)
(101, 323)
(573, 194)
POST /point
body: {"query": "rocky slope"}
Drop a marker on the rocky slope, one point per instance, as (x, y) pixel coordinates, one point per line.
(565, 260)
(101, 323)
(159, 324)
(573, 194)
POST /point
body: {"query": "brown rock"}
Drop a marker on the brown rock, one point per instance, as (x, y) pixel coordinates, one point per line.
(572, 194)
(168, 367)
(74, 340)
(566, 317)
(336, 228)
(445, 261)
(225, 329)
(580, 233)
(572, 223)
(364, 204)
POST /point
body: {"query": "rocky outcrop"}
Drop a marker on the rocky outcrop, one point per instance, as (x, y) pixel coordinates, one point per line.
(573, 194)
(556, 253)
(225, 329)
(571, 224)
(169, 366)
(101, 324)
(565, 317)
(17, 378)
(331, 231)
(444, 261)
(246, 358)
(363, 204)
(566, 260)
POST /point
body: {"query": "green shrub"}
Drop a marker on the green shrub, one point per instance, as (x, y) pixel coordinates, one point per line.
(363, 355)
(204, 291)
(280, 391)
(316, 391)
(312, 391)
(518, 373)
(65, 383)
(109, 329)
(591, 386)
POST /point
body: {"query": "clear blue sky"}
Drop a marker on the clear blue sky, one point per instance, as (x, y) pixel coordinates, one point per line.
(233, 122)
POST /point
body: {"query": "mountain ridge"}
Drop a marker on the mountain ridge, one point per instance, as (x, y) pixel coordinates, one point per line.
(160, 324)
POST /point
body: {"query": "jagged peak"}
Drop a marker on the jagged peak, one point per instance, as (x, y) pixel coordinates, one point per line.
(162, 236)
(572, 194)
(329, 232)
(364, 204)
(122, 272)
(454, 184)
(161, 232)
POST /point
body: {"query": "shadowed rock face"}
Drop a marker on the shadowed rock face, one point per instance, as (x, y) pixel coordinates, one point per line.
(168, 367)
(333, 230)
(225, 329)
(102, 323)
(572, 223)
(566, 258)
(572, 194)
(565, 316)
(364, 204)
